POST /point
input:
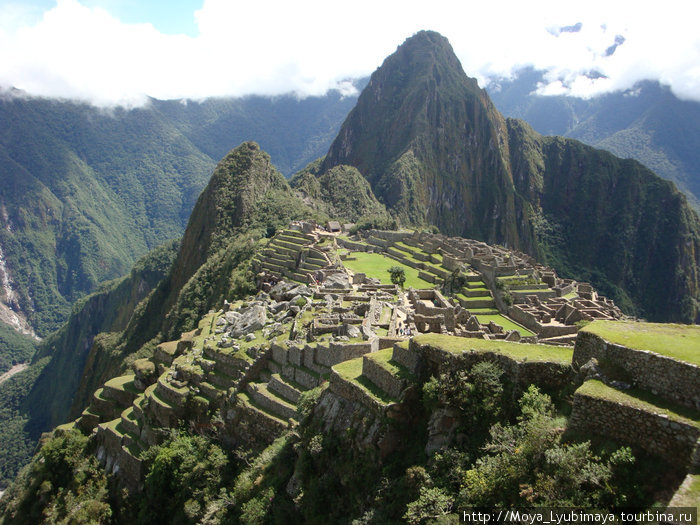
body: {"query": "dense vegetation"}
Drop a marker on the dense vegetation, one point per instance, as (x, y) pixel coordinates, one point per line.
(14, 348)
(509, 450)
(84, 192)
(40, 397)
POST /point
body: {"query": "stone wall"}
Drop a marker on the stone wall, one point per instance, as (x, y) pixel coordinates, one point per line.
(382, 377)
(408, 356)
(390, 235)
(353, 392)
(339, 352)
(673, 440)
(673, 380)
(543, 330)
(545, 374)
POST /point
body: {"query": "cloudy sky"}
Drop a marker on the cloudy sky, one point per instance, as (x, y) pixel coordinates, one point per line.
(116, 51)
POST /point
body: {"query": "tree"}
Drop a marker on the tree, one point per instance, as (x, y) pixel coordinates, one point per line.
(398, 275)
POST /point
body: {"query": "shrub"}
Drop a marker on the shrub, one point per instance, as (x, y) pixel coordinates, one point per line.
(398, 275)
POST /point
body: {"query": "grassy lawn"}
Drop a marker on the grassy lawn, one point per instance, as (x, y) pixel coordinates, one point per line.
(518, 351)
(506, 323)
(640, 399)
(672, 340)
(377, 266)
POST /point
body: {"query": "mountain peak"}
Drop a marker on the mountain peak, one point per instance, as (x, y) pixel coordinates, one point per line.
(407, 136)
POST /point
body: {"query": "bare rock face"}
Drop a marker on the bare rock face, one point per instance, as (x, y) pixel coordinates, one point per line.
(251, 319)
(441, 429)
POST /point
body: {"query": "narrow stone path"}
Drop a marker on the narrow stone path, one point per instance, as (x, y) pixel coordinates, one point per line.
(12, 371)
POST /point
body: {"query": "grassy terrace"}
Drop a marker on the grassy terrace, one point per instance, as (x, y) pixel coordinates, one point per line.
(383, 359)
(640, 399)
(123, 383)
(377, 266)
(352, 371)
(517, 351)
(677, 341)
(506, 323)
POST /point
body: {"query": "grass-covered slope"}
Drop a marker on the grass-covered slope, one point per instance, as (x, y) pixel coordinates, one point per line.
(341, 193)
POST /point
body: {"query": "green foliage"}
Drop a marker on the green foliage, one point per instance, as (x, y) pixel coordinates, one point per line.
(528, 463)
(455, 282)
(307, 402)
(340, 193)
(15, 348)
(374, 222)
(432, 503)
(476, 393)
(184, 475)
(398, 275)
(63, 484)
(18, 444)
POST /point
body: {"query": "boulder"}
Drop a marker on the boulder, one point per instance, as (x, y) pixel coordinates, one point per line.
(352, 331)
(302, 289)
(278, 307)
(278, 291)
(231, 317)
(252, 319)
(337, 280)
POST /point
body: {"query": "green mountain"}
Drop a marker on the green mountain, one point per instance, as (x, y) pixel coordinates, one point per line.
(647, 122)
(436, 151)
(431, 144)
(84, 192)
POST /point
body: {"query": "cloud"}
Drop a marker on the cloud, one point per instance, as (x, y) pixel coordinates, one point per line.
(307, 47)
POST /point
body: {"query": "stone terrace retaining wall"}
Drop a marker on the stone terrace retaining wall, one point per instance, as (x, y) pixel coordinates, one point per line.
(338, 352)
(675, 441)
(673, 380)
(353, 392)
(545, 374)
(381, 377)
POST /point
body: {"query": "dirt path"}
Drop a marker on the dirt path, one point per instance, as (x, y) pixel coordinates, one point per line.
(12, 371)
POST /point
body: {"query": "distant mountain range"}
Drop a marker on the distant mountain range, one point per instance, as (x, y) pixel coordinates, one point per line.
(648, 123)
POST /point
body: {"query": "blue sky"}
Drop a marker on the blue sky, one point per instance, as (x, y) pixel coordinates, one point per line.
(169, 17)
(121, 51)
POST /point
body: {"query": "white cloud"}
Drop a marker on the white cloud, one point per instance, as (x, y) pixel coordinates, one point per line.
(277, 46)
